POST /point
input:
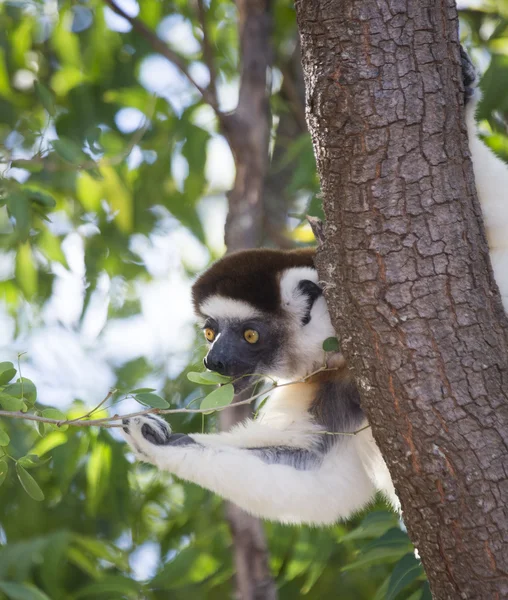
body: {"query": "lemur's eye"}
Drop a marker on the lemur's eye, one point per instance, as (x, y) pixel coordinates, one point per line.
(209, 334)
(251, 335)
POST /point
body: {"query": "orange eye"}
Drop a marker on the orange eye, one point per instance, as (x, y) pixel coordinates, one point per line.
(251, 335)
(209, 334)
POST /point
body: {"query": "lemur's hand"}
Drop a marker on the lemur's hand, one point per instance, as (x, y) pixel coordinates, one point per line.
(147, 432)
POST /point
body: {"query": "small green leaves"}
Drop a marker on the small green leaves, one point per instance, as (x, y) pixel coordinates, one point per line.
(152, 400)
(331, 344)
(41, 198)
(34, 166)
(18, 207)
(21, 591)
(29, 484)
(23, 389)
(207, 378)
(8, 402)
(7, 372)
(4, 438)
(45, 97)
(4, 468)
(30, 461)
(69, 151)
(404, 573)
(140, 390)
(219, 398)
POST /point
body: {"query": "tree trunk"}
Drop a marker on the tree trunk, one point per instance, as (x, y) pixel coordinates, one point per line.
(407, 275)
(247, 130)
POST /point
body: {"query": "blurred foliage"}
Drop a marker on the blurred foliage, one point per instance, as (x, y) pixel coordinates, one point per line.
(77, 520)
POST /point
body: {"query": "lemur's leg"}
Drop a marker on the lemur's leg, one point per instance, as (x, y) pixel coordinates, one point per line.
(491, 177)
(293, 485)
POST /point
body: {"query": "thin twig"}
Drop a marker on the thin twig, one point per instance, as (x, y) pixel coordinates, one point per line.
(90, 413)
(108, 421)
(160, 46)
(208, 52)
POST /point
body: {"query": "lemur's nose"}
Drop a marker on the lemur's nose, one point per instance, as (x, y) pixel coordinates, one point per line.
(214, 365)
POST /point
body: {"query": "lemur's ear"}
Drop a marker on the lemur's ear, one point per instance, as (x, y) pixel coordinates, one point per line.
(311, 292)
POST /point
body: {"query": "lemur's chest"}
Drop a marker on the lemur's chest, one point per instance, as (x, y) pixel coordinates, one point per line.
(289, 405)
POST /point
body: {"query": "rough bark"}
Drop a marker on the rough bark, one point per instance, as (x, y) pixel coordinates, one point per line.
(247, 130)
(407, 275)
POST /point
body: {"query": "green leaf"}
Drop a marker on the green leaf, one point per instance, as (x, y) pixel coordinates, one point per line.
(45, 97)
(374, 557)
(4, 438)
(19, 208)
(394, 538)
(114, 586)
(152, 400)
(26, 270)
(48, 442)
(220, 397)
(69, 150)
(8, 402)
(27, 391)
(22, 591)
(374, 525)
(33, 166)
(426, 594)
(41, 198)
(29, 461)
(54, 413)
(7, 372)
(331, 344)
(404, 573)
(4, 468)
(207, 378)
(29, 484)
(140, 390)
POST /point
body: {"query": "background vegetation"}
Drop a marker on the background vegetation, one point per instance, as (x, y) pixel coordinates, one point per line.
(112, 198)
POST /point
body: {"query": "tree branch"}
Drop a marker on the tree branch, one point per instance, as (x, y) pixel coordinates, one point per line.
(208, 52)
(159, 46)
(109, 421)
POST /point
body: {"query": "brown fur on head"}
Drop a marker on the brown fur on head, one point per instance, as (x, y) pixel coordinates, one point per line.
(251, 276)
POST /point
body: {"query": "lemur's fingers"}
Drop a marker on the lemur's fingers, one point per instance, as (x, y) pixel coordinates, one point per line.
(146, 433)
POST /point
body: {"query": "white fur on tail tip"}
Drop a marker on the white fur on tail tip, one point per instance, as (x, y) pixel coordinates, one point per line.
(491, 176)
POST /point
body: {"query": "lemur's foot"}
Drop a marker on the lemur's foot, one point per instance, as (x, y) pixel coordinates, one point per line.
(469, 75)
(146, 431)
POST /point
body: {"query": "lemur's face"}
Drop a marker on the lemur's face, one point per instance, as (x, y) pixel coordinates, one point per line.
(247, 342)
(244, 349)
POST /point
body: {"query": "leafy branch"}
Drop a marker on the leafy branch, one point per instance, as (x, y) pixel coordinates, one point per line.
(218, 400)
(209, 94)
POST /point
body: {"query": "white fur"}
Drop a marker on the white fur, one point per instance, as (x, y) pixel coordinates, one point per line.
(491, 176)
(283, 421)
(336, 490)
(306, 344)
(220, 307)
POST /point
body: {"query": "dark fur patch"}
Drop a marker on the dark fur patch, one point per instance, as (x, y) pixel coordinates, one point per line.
(469, 74)
(337, 409)
(311, 291)
(298, 458)
(251, 276)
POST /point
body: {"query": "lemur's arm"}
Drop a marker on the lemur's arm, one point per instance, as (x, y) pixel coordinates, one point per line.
(288, 484)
